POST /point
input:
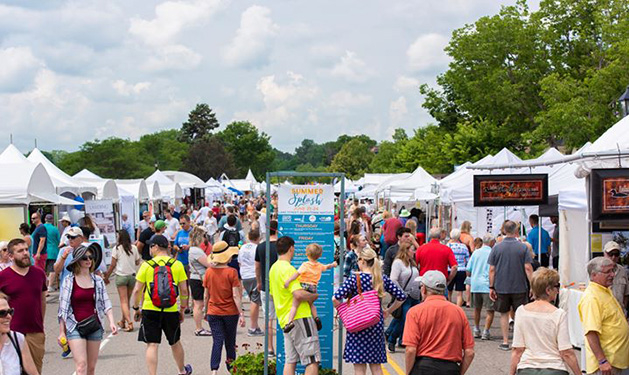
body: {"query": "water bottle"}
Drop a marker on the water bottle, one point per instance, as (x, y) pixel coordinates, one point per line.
(64, 344)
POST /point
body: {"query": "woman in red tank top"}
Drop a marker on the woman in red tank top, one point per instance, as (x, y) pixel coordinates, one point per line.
(84, 299)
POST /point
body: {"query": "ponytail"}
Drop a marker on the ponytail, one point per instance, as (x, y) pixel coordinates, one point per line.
(373, 262)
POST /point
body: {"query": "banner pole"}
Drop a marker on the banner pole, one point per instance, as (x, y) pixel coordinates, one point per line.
(266, 273)
(341, 261)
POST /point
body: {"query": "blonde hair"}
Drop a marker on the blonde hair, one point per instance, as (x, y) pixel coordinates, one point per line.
(404, 255)
(197, 236)
(412, 225)
(314, 251)
(466, 227)
(386, 215)
(373, 263)
(542, 279)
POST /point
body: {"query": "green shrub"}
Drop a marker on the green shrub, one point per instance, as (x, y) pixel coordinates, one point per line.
(251, 364)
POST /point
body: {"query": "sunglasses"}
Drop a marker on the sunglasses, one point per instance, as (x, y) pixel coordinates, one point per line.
(72, 237)
(614, 254)
(4, 313)
(87, 257)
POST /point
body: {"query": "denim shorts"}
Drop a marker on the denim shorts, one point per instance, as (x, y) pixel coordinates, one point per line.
(96, 336)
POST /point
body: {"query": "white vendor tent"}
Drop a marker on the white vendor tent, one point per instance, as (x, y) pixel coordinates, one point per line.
(610, 150)
(137, 187)
(29, 184)
(106, 188)
(170, 190)
(186, 180)
(11, 155)
(62, 181)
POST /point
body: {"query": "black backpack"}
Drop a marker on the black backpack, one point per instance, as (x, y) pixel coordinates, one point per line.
(232, 237)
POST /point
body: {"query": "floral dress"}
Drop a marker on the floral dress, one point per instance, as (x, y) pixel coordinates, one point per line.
(367, 346)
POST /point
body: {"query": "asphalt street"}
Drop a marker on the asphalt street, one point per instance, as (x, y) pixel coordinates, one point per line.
(123, 354)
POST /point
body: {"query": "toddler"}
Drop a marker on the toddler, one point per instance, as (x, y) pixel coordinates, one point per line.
(309, 274)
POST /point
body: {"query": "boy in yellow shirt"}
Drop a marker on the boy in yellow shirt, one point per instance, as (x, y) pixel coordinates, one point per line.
(309, 274)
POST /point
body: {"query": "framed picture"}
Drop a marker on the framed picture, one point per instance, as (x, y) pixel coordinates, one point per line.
(510, 190)
(610, 194)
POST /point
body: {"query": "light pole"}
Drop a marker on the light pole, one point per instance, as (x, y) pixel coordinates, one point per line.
(624, 102)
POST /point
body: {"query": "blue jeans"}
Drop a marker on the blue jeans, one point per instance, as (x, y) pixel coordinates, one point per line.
(95, 336)
(396, 327)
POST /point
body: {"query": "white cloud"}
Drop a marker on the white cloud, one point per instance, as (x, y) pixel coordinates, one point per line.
(284, 102)
(405, 83)
(173, 57)
(352, 69)
(343, 99)
(398, 111)
(427, 52)
(18, 67)
(126, 89)
(251, 46)
(171, 17)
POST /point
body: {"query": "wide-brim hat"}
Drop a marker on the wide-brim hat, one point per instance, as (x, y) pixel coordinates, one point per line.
(80, 251)
(405, 213)
(65, 218)
(222, 252)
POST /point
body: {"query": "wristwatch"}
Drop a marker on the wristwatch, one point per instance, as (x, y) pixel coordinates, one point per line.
(136, 308)
(602, 361)
(491, 287)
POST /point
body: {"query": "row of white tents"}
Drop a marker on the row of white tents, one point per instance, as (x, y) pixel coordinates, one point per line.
(455, 192)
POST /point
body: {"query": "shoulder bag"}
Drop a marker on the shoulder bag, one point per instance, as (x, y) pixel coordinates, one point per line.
(18, 350)
(397, 313)
(361, 311)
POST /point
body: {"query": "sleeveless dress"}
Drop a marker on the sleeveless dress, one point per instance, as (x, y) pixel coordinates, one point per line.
(367, 346)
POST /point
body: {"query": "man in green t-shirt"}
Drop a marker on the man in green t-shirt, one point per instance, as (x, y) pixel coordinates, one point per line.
(301, 344)
(52, 248)
(156, 320)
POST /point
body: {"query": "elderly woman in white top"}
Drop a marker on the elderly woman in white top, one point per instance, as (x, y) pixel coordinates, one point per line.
(541, 343)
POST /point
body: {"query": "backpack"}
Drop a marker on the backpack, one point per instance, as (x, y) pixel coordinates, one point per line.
(163, 290)
(232, 237)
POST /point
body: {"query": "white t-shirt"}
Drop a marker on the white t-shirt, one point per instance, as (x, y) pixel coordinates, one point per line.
(211, 225)
(197, 270)
(202, 214)
(126, 263)
(142, 225)
(9, 360)
(172, 226)
(247, 260)
(543, 335)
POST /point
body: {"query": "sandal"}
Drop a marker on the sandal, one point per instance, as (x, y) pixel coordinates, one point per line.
(122, 324)
(202, 332)
(129, 327)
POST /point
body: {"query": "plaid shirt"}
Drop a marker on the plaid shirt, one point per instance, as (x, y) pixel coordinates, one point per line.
(103, 304)
(350, 264)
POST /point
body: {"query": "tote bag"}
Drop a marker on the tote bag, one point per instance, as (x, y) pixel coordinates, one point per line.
(360, 312)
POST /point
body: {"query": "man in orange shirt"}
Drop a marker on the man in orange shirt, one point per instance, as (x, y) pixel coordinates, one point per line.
(437, 333)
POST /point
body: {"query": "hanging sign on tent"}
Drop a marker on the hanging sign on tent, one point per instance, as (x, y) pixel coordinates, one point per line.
(610, 194)
(510, 190)
(102, 213)
(306, 214)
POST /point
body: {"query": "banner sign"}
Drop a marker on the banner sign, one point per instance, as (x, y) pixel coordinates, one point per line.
(306, 214)
(102, 214)
(610, 194)
(510, 190)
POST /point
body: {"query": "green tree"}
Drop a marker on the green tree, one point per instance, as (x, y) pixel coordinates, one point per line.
(353, 159)
(386, 159)
(208, 158)
(283, 161)
(250, 148)
(309, 152)
(163, 150)
(201, 122)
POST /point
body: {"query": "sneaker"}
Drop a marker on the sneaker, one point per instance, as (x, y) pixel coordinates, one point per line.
(289, 327)
(504, 347)
(319, 324)
(255, 332)
(391, 347)
(187, 311)
(511, 323)
(486, 335)
(477, 334)
(187, 370)
(66, 353)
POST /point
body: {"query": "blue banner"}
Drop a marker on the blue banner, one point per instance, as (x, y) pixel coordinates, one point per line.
(314, 224)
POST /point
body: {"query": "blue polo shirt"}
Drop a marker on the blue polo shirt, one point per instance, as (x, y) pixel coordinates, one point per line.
(52, 240)
(183, 238)
(533, 239)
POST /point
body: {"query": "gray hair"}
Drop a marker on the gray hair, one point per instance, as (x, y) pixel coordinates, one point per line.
(596, 265)
(455, 234)
(435, 232)
(510, 227)
(488, 238)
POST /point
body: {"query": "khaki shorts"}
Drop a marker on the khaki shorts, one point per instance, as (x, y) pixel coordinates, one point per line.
(301, 344)
(37, 345)
(264, 296)
(482, 300)
(128, 281)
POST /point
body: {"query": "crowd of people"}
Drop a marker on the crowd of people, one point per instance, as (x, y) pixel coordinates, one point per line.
(215, 255)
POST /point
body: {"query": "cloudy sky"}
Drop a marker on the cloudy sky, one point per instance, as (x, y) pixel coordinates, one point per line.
(73, 71)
